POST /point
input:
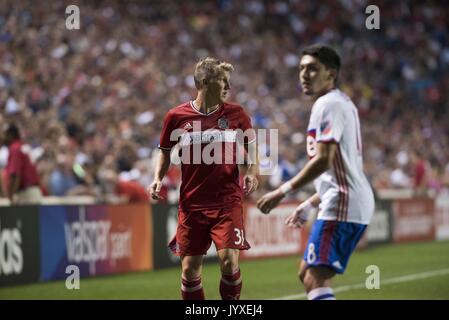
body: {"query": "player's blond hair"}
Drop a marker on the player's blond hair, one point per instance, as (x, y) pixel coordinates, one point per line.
(208, 69)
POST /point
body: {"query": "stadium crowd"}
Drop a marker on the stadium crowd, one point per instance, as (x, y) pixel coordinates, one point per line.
(90, 102)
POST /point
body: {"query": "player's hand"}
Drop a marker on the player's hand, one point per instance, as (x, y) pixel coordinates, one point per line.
(269, 201)
(250, 184)
(154, 190)
(300, 215)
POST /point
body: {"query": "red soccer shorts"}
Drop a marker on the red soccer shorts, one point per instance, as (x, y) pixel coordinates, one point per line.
(197, 229)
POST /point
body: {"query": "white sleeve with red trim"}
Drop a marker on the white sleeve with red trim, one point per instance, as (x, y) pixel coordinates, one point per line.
(330, 122)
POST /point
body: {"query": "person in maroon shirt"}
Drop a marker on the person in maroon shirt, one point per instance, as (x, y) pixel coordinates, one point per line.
(132, 191)
(119, 191)
(23, 180)
(419, 173)
(210, 206)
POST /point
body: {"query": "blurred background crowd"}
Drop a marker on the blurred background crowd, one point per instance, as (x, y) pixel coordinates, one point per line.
(90, 102)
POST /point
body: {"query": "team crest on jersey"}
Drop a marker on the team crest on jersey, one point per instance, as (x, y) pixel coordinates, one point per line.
(223, 123)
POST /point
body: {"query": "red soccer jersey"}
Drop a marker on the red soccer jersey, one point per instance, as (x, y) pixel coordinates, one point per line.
(19, 164)
(207, 185)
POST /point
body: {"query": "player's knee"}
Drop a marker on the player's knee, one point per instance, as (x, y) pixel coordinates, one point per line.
(302, 271)
(316, 278)
(190, 272)
(312, 279)
(228, 265)
(309, 281)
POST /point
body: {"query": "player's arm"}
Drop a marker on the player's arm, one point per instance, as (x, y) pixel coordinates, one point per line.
(166, 143)
(252, 165)
(314, 168)
(162, 166)
(314, 200)
(251, 169)
(302, 212)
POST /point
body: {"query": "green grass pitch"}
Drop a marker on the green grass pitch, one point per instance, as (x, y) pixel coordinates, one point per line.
(275, 278)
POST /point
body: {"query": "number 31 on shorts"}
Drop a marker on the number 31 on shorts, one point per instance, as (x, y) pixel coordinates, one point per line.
(240, 236)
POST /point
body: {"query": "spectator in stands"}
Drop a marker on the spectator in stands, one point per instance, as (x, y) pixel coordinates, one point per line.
(420, 174)
(107, 90)
(119, 190)
(62, 178)
(70, 178)
(22, 181)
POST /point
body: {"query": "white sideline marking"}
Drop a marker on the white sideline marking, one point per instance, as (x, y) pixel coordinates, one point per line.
(407, 278)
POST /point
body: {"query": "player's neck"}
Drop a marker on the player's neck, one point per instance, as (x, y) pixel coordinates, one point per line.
(205, 105)
(323, 92)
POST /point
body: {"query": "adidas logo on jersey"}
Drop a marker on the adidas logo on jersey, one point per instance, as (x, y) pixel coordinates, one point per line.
(188, 126)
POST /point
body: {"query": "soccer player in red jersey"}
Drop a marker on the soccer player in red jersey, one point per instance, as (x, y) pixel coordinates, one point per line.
(210, 206)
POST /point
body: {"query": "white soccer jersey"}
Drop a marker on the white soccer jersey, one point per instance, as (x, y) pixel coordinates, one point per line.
(345, 193)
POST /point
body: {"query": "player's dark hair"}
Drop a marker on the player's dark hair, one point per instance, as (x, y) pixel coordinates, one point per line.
(325, 54)
(13, 131)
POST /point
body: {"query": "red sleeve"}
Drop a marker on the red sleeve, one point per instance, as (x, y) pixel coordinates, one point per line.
(167, 129)
(245, 125)
(14, 162)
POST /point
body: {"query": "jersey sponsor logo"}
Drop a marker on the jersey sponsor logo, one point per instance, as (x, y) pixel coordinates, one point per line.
(210, 146)
(207, 136)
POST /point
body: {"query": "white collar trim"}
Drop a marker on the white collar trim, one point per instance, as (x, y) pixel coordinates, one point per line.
(204, 114)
